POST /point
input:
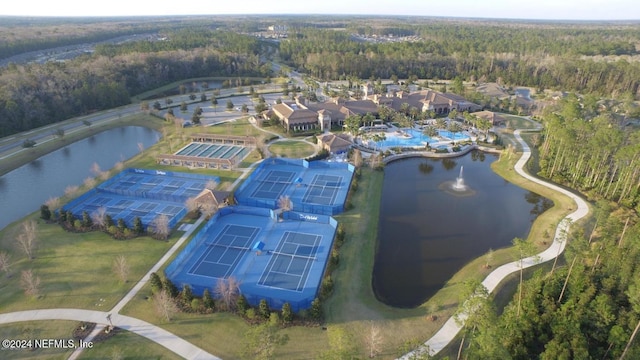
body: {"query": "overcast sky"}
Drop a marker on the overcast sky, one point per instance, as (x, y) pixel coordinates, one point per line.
(511, 9)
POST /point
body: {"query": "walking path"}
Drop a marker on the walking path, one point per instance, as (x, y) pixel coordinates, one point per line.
(450, 329)
(140, 327)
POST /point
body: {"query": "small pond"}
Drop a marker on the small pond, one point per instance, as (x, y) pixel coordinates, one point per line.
(427, 232)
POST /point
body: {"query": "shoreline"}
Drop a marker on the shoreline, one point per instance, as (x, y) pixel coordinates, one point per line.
(25, 156)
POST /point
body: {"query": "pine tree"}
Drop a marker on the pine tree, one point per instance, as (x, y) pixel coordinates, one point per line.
(138, 227)
(207, 300)
(287, 314)
(45, 213)
(156, 283)
(264, 309)
(186, 294)
(316, 310)
(171, 289)
(241, 304)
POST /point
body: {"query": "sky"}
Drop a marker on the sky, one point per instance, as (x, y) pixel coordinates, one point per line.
(509, 9)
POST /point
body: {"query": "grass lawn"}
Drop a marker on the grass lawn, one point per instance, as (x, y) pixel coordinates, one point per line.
(518, 122)
(127, 345)
(292, 149)
(37, 330)
(75, 269)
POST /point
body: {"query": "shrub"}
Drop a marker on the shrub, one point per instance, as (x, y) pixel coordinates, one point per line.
(77, 224)
(45, 213)
(250, 313)
(326, 288)
(274, 319)
(113, 230)
(196, 305)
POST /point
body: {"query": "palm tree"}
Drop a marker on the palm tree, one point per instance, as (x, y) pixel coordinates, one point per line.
(430, 131)
(454, 128)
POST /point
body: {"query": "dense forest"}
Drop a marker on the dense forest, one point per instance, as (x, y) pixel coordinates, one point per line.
(587, 60)
(589, 307)
(34, 95)
(595, 154)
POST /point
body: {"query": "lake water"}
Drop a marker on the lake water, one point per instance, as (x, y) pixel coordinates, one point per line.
(23, 190)
(426, 234)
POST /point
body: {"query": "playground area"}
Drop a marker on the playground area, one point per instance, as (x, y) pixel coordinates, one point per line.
(276, 259)
(317, 187)
(142, 193)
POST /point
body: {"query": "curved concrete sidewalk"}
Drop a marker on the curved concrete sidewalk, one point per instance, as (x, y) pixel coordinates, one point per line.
(450, 329)
(142, 328)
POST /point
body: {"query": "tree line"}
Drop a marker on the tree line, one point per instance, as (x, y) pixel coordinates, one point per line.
(541, 58)
(34, 95)
(595, 154)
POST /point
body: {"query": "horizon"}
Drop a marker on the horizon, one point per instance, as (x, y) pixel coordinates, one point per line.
(542, 10)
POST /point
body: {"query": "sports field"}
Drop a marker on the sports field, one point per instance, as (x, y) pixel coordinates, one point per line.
(142, 193)
(280, 260)
(317, 187)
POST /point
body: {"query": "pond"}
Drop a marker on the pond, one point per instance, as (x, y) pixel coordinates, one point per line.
(24, 189)
(428, 231)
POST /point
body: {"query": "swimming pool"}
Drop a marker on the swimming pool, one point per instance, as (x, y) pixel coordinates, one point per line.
(417, 138)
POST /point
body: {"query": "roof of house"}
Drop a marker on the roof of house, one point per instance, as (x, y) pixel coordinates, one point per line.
(215, 196)
(491, 116)
(335, 141)
(294, 115)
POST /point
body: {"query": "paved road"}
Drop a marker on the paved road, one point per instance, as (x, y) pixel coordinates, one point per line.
(450, 329)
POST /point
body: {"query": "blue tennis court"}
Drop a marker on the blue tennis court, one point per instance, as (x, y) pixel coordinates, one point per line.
(317, 187)
(141, 193)
(273, 184)
(225, 251)
(291, 261)
(323, 189)
(288, 267)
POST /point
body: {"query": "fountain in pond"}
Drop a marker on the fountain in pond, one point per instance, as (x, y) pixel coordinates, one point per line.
(457, 187)
(459, 184)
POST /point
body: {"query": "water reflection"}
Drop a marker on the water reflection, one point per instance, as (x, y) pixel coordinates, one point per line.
(477, 156)
(449, 164)
(36, 164)
(425, 168)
